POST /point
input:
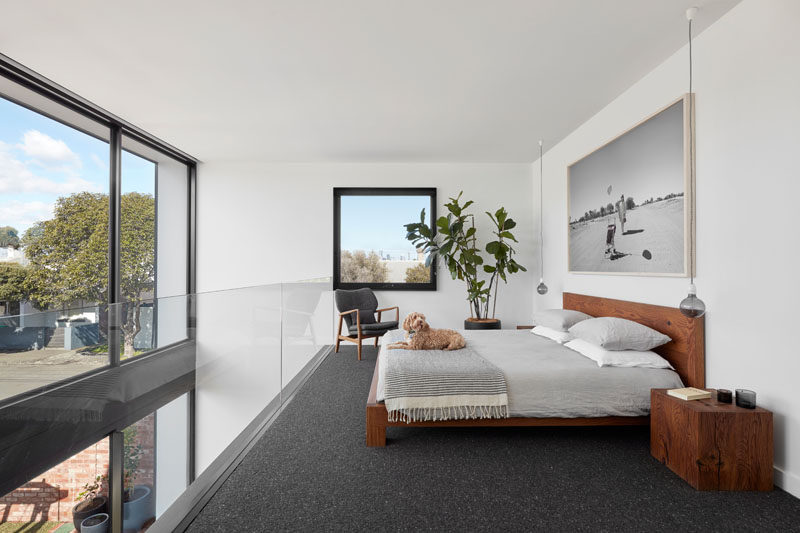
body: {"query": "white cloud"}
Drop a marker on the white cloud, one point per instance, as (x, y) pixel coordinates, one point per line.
(48, 152)
(23, 215)
(16, 177)
(102, 165)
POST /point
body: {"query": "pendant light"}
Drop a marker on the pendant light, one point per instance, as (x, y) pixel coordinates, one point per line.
(691, 306)
(541, 288)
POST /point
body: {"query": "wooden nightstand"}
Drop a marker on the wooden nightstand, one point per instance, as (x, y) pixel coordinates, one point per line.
(712, 445)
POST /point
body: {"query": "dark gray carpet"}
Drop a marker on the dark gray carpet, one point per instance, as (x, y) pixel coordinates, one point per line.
(312, 471)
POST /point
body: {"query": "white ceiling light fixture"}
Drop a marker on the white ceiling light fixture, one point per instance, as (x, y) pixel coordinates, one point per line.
(691, 306)
(541, 288)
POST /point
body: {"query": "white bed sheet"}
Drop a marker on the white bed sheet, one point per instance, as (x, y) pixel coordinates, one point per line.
(545, 379)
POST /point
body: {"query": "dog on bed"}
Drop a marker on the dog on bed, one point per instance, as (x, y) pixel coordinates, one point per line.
(427, 338)
(409, 320)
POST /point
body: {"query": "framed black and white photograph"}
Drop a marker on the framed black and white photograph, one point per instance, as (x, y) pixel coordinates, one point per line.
(629, 200)
(370, 247)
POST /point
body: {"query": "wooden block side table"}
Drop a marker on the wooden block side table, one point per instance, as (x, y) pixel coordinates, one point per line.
(712, 445)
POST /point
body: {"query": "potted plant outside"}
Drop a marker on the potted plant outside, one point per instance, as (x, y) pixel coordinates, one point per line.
(90, 502)
(97, 523)
(456, 244)
(138, 505)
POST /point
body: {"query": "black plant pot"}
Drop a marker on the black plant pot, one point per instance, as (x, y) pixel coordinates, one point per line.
(483, 323)
(99, 505)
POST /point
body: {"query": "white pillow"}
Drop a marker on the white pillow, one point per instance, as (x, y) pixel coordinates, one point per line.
(614, 333)
(620, 358)
(559, 319)
(553, 334)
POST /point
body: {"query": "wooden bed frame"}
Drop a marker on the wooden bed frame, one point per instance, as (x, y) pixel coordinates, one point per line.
(686, 353)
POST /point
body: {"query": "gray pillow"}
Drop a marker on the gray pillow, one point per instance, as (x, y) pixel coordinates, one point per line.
(559, 319)
(618, 334)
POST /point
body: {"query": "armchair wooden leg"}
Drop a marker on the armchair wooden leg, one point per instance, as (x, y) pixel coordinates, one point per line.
(339, 335)
(376, 341)
(359, 348)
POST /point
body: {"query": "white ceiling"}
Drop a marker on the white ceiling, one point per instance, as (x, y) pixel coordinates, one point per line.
(351, 80)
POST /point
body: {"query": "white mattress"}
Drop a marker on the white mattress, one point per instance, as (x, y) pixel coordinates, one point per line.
(545, 379)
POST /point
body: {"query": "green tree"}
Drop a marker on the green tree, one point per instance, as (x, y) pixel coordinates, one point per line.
(13, 282)
(9, 237)
(360, 267)
(69, 255)
(418, 274)
(629, 203)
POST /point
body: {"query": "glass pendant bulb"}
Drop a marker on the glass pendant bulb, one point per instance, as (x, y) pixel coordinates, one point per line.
(692, 306)
(542, 288)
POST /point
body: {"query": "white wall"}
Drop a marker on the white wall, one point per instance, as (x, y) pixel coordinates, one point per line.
(266, 223)
(747, 83)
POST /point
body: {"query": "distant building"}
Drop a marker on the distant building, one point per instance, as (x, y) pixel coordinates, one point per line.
(13, 255)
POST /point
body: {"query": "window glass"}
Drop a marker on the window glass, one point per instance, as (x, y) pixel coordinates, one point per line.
(155, 463)
(373, 249)
(137, 259)
(53, 250)
(70, 492)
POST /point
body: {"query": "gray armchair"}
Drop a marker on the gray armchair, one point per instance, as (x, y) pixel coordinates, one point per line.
(357, 309)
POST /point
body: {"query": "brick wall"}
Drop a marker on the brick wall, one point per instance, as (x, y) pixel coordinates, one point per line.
(51, 495)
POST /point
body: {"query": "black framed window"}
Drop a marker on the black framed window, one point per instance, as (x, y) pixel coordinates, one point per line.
(370, 248)
(123, 203)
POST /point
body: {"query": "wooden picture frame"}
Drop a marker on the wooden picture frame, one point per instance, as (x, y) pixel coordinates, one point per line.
(647, 247)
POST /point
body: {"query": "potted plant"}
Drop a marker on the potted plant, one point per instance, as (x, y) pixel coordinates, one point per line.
(138, 505)
(455, 242)
(90, 502)
(97, 523)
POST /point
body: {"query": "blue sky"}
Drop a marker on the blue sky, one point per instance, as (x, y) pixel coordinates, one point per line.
(42, 160)
(376, 222)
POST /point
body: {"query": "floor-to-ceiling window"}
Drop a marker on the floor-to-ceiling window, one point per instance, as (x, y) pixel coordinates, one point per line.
(95, 268)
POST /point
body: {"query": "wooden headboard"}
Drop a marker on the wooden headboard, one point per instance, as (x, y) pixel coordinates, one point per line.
(686, 351)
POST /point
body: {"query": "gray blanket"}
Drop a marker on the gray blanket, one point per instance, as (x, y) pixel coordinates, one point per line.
(545, 379)
(422, 385)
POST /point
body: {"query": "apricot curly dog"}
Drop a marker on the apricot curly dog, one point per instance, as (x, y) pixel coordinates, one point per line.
(409, 320)
(428, 338)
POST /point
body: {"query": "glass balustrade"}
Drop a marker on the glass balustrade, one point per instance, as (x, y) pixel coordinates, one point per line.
(178, 379)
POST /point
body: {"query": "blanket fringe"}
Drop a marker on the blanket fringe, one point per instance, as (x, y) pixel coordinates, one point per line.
(433, 414)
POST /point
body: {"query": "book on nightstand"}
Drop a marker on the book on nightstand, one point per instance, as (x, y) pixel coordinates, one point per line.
(689, 393)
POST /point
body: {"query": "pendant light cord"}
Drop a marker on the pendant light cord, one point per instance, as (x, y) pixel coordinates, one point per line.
(691, 162)
(541, 231)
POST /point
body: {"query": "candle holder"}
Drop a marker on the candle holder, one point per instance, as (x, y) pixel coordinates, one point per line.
(745, 398)
(724, 396)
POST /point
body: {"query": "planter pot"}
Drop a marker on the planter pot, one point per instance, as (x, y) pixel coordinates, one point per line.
(139, 509)
(483, 323)
(99, 505)
(97, 523)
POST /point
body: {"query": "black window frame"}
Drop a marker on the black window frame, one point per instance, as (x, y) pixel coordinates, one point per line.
(338, 192)
(121, 392)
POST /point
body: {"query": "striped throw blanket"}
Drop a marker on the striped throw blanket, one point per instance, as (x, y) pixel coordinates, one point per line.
(424, 385)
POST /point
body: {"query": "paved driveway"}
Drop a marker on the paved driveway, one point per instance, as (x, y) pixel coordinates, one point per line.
(23, 371)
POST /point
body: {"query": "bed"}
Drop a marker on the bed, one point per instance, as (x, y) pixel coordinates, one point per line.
(549, 385)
